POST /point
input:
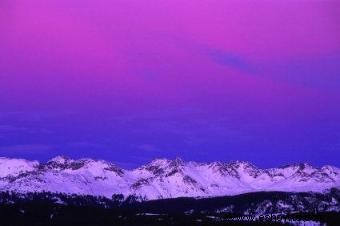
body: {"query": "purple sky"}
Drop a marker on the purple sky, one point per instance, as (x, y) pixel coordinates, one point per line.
(133, 80)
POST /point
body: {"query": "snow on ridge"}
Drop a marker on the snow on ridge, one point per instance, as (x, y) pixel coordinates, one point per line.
(14, 167)
(60, 159)
(161, 178)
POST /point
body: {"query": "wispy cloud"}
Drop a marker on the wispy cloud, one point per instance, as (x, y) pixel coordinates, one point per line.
(226, 58)
(231, 60)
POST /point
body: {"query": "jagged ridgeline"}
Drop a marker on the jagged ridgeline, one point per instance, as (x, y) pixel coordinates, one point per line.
(161, 178)
(47, 208)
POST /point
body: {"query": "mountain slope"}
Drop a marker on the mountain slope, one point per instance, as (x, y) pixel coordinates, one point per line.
(161, 178)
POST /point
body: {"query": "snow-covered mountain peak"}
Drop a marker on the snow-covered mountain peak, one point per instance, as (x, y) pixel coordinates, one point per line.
(163, 162)
(330, 169)
(155, 167)
(299, 166)
(241, 165)
(14, 167)
(105, 166)
(299, 169)
(60, 163)
(161, 166)
(215, 164)
(161, 178)
(159, 162)
(60, 159)
(95, 167)
(176, 163)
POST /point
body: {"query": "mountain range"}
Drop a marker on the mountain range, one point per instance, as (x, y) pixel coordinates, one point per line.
(161, 178)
